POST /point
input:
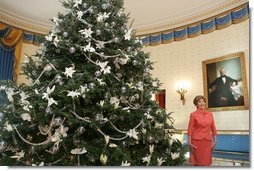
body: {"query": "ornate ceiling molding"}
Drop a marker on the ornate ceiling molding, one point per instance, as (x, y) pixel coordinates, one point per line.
(22, 23)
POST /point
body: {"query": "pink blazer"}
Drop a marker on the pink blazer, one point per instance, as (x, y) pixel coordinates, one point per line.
(201, 125)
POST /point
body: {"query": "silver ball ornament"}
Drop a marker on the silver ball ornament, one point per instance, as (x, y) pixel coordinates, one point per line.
(91, 85)
(129, 49)
(98, 32)
(57, 121)
(113, 24)
(81, 129)
(116, 39)
(91, 11)
(104, 6)
(72, 50)
(123, 89)
(119, 75)
(150, 139)
(98, 117)
(134, 62)
(1, 115)
(65, 34)
(3, 145)
(97, 73)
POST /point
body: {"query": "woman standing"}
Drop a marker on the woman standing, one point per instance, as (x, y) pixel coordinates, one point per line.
(201, 130)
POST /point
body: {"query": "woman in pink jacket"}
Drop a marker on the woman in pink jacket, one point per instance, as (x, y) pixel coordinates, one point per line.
(201, 130)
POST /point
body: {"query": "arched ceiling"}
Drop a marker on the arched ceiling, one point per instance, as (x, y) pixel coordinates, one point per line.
(149, 15)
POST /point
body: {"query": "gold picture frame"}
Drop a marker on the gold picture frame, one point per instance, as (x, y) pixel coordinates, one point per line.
(225, 83)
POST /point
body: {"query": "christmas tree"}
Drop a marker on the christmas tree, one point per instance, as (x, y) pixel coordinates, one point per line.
(89, 99)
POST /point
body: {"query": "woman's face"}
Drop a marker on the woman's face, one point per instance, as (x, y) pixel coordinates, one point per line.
(201, 104)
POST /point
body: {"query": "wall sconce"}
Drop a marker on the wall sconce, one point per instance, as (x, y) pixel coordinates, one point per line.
(182, 89)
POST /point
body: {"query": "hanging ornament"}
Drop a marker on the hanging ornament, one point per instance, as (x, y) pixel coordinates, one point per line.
(119, 75)
(132, 98)
(32, 149)
(134, 62)
(91, 85)
(48, 110)
(65, 34)
(123, 89)
(113, 24)
(104, 6)
(57, 121)
(97, 73)
(98, 32)
(150, 139)
(84, 5)
(98, 117)
(72, 50)
(29, 137)
(129, 49)
(76, 141)
(91, 11)
(112, 117)
(116, 39)
(3, 145)
(81, 130)
(106, 24)
(91, 159)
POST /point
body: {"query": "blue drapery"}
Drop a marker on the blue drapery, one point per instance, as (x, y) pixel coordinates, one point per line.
(202, 27)
(6, 63)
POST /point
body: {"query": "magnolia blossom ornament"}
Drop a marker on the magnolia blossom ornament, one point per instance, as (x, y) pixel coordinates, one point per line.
(72, 50)
(65, 34)
(3, 145)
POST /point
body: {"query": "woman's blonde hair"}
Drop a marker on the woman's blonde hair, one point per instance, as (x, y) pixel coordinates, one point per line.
(197, 98)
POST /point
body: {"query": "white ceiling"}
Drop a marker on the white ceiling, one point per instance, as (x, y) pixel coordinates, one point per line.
(145, 13)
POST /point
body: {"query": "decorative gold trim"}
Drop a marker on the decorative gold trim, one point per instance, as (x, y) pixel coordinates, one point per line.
(230, 6)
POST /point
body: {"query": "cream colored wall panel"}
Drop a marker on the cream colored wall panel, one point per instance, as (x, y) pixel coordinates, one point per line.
(182, 60)
(28, 49)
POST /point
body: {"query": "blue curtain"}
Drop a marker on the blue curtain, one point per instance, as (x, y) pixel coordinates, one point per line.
(6, 62)
(6, 67)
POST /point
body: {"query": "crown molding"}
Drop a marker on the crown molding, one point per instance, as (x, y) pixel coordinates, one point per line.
(23, 23)
(180, 22)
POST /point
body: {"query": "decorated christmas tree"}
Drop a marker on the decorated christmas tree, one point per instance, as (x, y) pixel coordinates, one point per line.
(89, 102)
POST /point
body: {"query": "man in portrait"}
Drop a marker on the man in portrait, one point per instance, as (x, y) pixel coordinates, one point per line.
(222, 91)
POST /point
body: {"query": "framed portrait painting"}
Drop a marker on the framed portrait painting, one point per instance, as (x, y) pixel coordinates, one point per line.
(225, 83)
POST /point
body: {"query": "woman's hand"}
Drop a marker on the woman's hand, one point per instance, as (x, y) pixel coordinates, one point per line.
(214, 145)
(192, 147)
